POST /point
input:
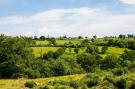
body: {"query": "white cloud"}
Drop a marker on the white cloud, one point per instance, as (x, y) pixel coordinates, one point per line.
(71, 22)
(130, 2)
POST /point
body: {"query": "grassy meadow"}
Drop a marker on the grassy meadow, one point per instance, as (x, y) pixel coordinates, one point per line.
(37, 51)
(19, 83)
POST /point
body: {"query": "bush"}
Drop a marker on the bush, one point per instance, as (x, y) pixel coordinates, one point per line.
(132, 85)
(121, 84)
(50, 54)
(87, 61)
(91, 80)
(110, 61)
(30, 84)
(128, 55)
(74, 84)
(32, 73)
(92, 48)
(104, 49)
(45, 87)
(110, 79)
(132, 67)
(60, 67)
(120, 71)
(76, 50)
(108, 85)
(58, 86)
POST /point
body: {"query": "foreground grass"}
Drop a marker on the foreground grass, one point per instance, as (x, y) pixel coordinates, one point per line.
(19, 83)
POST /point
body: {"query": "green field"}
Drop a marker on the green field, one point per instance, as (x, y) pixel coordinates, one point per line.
(114, 51)
(19, 83)
(41, 50)
(59, 42)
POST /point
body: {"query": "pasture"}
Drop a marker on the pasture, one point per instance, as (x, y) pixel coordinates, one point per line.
(19, 83)
(37, 51)
(59, 42)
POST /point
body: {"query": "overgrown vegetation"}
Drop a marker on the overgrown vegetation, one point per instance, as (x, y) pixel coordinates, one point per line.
(107, 68)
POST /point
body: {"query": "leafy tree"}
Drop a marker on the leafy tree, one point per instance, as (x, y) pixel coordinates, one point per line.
(110, 42)
(80, 37)
(128, 55)
(15, 56)
(35, 38)
(110, 61)
(130, 35)
(48, 55)
(42, 37)
(87, 61)
(54, 55)
(52, 41)
(76, 50)
(95, 37)
(121, 84)
(85, 43)
(122, 36)
(70, 49)
(59, 52)
(104, 48)
(91, 49)
(60, 67)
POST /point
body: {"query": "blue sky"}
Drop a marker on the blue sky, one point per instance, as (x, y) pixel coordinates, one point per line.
(67, 17)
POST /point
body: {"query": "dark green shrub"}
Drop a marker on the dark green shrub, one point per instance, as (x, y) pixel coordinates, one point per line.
(108, 85)
(59, 52)
(74, 84)
(121, 84)
(110, 61)
(60, 67)
(132, 67)
(50, 54)
(104, 49)
(32, 73)
(92, 48)
(30, 84)
(76, 50)
(91, 80)
(128, 55)
(110, 79)
(120, 71)
(87, 61)
(132, 85)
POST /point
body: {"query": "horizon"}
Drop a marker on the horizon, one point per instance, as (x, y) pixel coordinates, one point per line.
(71, 18)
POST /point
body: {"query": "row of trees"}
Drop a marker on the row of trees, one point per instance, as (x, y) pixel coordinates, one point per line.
(122, 43)
(79, 37)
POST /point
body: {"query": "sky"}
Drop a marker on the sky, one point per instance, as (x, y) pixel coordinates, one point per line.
(67, 17)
